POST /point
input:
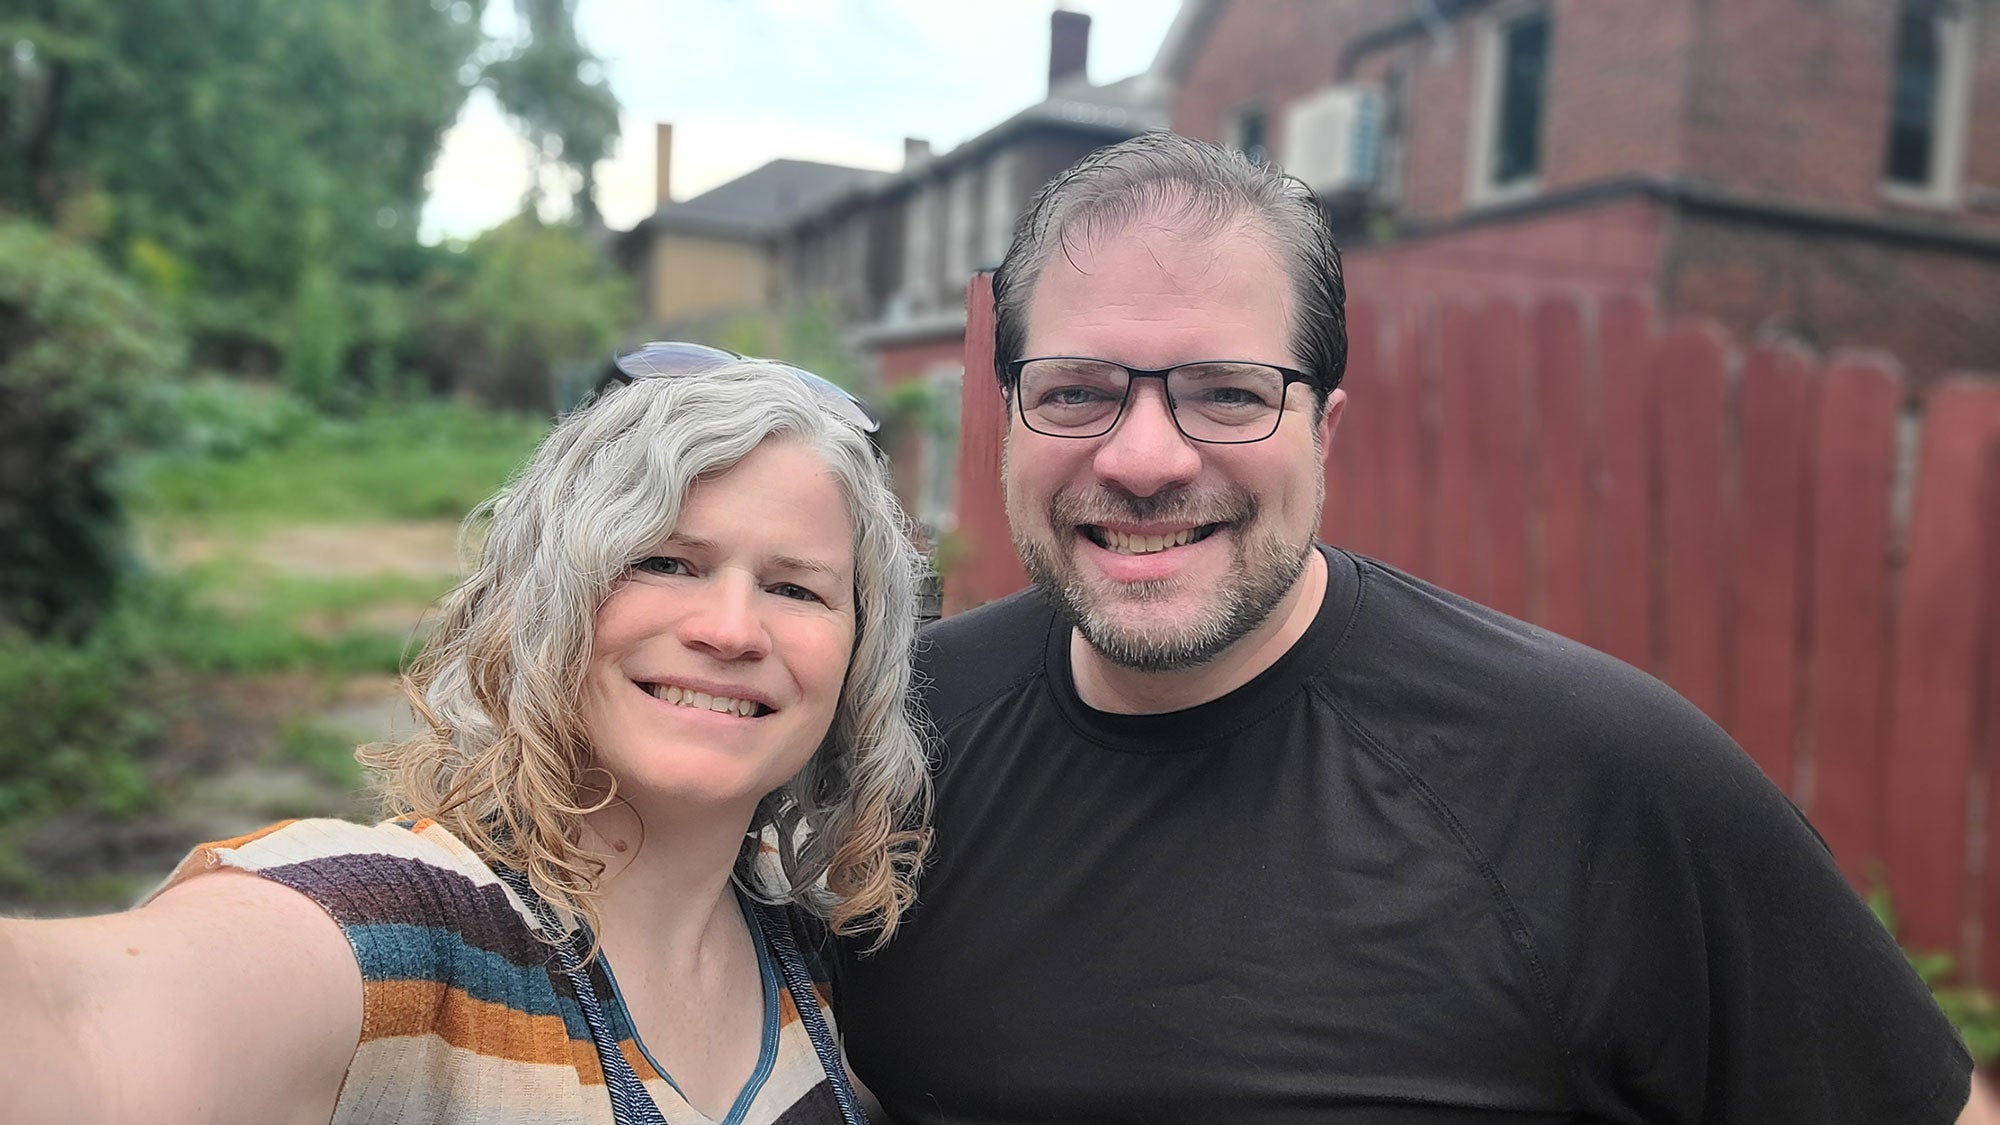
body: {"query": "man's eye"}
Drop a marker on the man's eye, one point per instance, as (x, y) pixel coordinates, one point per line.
(662, 564)
(1073, 396)
(795, 591)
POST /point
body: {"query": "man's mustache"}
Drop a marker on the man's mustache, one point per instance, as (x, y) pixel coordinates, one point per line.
(1174, 505)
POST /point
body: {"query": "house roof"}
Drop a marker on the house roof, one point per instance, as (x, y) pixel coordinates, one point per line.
(757, 203)
(1115, 110)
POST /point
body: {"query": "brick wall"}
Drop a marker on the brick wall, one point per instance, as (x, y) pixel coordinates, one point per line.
(1932, 307)
(1774, 99)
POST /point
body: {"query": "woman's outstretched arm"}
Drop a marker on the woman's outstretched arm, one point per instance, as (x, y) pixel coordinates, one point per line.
(227, 998)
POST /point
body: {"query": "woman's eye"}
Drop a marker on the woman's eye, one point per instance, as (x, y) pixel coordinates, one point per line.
(662, 564)
(795, 591)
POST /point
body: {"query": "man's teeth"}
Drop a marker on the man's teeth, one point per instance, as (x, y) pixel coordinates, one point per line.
(682, 697)
(1146, 544)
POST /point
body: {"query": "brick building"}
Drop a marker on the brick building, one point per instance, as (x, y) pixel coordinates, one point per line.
(1820, 167)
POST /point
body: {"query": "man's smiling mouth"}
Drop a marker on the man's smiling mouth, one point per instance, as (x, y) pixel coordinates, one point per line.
(1119, 542)
(703, 701)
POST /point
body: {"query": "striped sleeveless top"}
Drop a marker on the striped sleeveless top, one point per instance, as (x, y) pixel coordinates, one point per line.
(467, 1015)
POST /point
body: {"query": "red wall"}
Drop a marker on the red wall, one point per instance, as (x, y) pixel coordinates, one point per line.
(913, 359)
(1611, 247)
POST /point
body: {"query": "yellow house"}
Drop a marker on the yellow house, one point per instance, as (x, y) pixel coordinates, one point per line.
(705, 260)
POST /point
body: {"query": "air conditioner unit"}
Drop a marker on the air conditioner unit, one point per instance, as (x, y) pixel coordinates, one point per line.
(1333, 139)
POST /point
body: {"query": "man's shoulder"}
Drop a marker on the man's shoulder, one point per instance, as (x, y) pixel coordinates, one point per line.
(1421, 661)
(969, 658)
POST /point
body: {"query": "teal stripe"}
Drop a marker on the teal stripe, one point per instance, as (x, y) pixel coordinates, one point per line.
(399, 951)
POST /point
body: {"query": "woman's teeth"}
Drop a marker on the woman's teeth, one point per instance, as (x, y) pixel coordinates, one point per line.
(682, 697)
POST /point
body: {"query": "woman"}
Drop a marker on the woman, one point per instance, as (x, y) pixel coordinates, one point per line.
(673, 690)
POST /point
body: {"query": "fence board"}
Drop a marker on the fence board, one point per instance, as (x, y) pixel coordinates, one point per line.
(1412, 478)
(982, 565)
(1355, 474)
(1460, 542)
(1779, 399)
(1506, 461)
(1937, 641)
(1562, 480)
(1689, 377)
(1987, 717)
(1986, 720)
(1853, 471)
(1621, 537)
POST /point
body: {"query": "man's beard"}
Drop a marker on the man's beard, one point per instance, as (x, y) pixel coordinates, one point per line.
(1263, 569)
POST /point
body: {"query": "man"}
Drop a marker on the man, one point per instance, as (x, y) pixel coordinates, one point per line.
(1232, 826)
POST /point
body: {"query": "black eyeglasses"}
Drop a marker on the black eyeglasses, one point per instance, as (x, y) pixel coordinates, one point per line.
(1220, 401)
(664, 359)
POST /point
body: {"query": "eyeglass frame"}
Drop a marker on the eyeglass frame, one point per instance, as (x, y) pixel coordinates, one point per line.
(1132, 374)
(862, 416)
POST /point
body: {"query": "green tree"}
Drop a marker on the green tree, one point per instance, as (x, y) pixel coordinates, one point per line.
(555, 89)
(250, 159)
(80, 357)
(527, 300)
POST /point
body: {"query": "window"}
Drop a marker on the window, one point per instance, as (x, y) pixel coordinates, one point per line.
(1001, 208)
(1924, 153)
(959, 224)
(1249, 133)
(1512, 96)
(919, 243)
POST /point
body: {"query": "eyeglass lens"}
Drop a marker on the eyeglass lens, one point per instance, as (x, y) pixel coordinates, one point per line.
(1214, 402)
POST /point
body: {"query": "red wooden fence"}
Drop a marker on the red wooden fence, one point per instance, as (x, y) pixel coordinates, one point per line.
(1804, 553)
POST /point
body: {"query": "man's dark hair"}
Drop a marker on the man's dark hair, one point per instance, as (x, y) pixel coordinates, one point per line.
(1204, 189)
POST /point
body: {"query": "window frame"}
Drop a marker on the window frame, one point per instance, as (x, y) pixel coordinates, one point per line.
(1238, 119)
(1489, 80)
(1951, 116)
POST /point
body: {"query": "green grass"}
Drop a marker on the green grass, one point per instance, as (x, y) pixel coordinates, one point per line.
(326, 752)
(233, 615)
(422, 460)
(411, 461)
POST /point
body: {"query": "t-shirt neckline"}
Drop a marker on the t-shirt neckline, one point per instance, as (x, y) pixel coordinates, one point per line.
(1219, 719)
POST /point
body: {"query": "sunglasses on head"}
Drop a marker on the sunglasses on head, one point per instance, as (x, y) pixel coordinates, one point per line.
(663, 359)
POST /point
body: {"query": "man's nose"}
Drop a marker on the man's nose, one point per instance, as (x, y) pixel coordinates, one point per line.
(725, 622)
(1146, 453)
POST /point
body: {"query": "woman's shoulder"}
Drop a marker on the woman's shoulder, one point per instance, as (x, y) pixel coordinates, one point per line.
(398, 873)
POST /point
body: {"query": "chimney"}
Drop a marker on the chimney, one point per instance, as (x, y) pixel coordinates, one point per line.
(1069, 47)
(663, 163)
(916, 150)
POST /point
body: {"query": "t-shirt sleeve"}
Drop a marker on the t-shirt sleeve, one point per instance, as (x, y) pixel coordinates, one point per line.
(1709, 961)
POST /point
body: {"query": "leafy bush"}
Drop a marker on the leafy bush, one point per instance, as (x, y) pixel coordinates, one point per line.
(78, 723)
(1971, 1009)
(526, 299)
(216, 418)
(82, 361)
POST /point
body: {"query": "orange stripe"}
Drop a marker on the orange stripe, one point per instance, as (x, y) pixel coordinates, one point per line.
(393, 1008)
(636, 1059)
(239, 841)
(788, 1009)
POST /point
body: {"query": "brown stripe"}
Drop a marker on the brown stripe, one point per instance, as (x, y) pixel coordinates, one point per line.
(415, 1007)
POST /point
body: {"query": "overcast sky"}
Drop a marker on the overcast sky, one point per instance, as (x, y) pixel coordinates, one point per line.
(748, 81)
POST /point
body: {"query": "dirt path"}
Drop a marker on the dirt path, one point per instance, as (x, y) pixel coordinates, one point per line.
(239, 751)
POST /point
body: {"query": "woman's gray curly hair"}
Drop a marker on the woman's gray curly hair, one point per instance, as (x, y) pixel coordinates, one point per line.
(503, 755)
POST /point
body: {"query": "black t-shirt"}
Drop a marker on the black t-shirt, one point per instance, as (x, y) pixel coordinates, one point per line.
(1434, 865)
